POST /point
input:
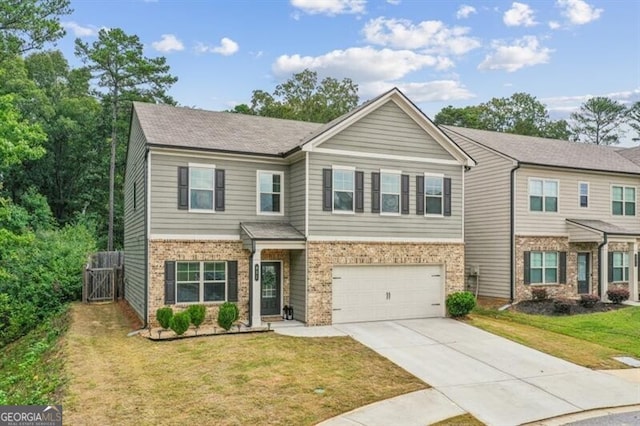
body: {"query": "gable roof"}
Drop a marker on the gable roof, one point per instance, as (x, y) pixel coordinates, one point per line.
(553, 152)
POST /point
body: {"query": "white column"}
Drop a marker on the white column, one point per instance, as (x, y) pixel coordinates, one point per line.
(256, 320)
(604, 271)
(633, 271)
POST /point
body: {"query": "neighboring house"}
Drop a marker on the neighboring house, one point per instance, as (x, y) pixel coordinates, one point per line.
(549, 213)
(358, 219)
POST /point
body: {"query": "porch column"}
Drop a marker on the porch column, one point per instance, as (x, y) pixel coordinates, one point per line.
(633, 271)
(604, 271)
(256, 320)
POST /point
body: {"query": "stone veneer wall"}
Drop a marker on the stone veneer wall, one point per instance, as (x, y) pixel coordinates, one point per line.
(323, 255)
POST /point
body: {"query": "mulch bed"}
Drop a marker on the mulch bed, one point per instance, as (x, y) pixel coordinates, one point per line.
(545, 307)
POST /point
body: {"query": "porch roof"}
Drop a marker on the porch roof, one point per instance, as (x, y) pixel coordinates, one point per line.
(581, 229)
(271, 235)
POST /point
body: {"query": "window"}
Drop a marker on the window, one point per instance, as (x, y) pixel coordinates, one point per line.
(390, 192)
(620, 266)
(343, 189)
(543, 267)
(623, 200)
(583, 188)
(433, 195)
(201, 188)
(543, 195)
(201, 282)
(270, 192)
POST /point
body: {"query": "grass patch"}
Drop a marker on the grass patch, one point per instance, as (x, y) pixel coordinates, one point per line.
(31, 368)
(463, 419)
(589, 340)
(243, 379)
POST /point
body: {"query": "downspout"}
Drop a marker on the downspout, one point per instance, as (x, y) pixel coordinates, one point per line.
(146, 238)
(251, 307)
(512, 237)
(604, 241)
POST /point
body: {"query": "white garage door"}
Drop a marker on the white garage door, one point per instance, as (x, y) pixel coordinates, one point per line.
(384, 292)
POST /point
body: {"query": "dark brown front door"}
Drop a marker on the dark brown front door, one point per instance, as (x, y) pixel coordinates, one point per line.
(270, 288)
(584, 273)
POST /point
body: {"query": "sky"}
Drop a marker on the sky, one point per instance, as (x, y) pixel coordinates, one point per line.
(438, 52)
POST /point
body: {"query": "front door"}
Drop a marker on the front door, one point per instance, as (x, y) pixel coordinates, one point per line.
(270, 288)
(583, 273)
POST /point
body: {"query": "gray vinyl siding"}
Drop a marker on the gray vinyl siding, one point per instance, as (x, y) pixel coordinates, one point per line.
(298, 284)
(296, 189)
(385, 130)
(529, 223)
(487, 232)
(371, 225)
(135, 221)
(240, 197)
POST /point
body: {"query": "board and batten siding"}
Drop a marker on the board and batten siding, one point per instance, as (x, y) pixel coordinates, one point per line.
(135, 220)
(295, 199)
(298, 284)
(240, 197)
(386, 130)
(487, 232)
(553, 223)
(374, 225)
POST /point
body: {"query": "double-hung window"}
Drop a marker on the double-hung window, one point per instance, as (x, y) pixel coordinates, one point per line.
(583, 188)
(390, 192)
(543, 195)
(270, 192)
(620, 267)
(623, 200)
(201, 188)
(433, 192)
(201, 282)
(543, 267)
(343, 189)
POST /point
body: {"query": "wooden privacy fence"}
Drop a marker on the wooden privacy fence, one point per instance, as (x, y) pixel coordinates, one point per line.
(103, 277)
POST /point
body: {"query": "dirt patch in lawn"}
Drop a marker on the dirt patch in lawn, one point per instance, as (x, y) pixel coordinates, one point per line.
(243, 379)
(546, 307)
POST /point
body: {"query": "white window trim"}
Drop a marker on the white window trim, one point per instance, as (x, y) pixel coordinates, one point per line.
(588, 194)
(201, 283)
(213, 169)
(625, 265)
(543, 211)
(544, 267)
(424, 195)
(624, 187)
(258, 193)
(399, 194)
(353, 190)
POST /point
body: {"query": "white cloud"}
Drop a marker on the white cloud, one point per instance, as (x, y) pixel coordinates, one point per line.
(464, 11)
(80, 30)
(520, 14)
(433, 36)
(568, 104)
(554, 25)
(330, 7)
(227, 47)
(524, 52)
(579, 12)
(429, 91)
(168, 43)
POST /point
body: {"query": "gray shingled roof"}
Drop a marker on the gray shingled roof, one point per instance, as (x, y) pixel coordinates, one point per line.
(602, 226)
(271, 231)
(551, 152)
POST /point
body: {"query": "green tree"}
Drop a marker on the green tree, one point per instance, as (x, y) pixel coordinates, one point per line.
(19, 140)
(117, 62)
(468, 116)
(633, 118)
(303, 98)
(599, 121)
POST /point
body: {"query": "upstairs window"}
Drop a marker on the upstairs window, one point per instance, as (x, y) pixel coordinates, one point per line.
(433, 192)
(270, 192)
(343, 189)
(623, 200)
(201, 188)
(543, 195)
(583, 188)
(390, 192)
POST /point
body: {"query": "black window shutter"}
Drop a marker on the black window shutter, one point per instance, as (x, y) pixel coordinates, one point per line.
(420, 195)
(610, 267)
(359, 204)
(562, 268)
(447, 196)
(183, 188)
(169, 282)
(375, 192)
(232, 280)
(404, 195)
(527, 266)
(219, 194)
(327, 189)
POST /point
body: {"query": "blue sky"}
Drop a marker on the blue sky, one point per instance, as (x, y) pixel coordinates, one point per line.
(441, 52)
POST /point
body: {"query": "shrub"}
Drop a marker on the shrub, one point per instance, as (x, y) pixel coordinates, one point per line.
(180, 322)
(562, 306)
(539, 294)
(227, 314)
(618, 295)
(589, 300)
(460, 303)
(197, 314)
(164, 315)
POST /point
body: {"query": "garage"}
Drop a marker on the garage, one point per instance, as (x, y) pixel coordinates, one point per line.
(387, 292)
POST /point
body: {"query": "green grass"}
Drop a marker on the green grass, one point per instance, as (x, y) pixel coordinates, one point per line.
(31, 368)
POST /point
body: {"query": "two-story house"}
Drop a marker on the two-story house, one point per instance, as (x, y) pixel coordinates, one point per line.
(551, 213)
(358, 219)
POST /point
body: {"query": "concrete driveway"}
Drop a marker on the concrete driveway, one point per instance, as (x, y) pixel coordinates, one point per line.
(498, 381)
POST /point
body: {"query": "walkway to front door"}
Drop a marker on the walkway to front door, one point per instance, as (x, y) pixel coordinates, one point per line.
(271, 288)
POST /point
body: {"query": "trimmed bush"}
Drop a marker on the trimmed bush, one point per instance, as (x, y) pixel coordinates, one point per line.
(197, 314)
(227, 315)
(164, 315)
(618, 295)
(562, 306)
(539, 294)
(180, 322)
(460, 303)
(589, 300)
